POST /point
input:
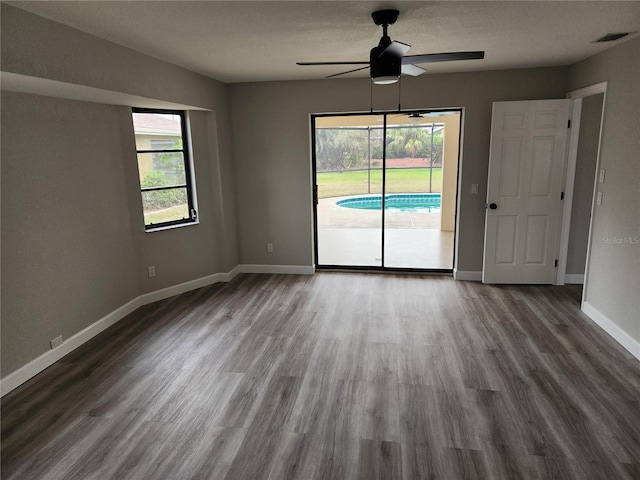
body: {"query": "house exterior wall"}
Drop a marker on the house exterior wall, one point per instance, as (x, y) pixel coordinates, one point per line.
(145, 162)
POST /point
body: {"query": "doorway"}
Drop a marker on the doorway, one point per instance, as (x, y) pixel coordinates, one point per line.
(385, 189)
(583, 181)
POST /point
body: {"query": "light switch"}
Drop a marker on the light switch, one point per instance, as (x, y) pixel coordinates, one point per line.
(474, 188)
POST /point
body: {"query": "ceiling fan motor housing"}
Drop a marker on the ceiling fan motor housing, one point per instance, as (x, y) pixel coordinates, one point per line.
(385, 65)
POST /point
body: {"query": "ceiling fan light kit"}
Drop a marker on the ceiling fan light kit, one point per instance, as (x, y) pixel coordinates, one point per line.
(387, 61)
(385, 80)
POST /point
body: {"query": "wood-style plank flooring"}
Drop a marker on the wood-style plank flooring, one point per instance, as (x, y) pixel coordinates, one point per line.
(336, 376)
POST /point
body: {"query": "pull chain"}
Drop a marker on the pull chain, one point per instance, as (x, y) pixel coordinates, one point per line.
(371, 94)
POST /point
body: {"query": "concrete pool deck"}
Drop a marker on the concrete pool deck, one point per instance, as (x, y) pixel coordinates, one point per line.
(352, 237)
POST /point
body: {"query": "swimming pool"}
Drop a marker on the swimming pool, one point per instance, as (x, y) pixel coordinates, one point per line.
(404, 202)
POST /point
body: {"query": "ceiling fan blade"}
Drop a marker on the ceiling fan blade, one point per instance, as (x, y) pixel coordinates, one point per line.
(442, 57)
(412, 70)
(349, 71)
(397, 49)
(438, 113)
(332, 63)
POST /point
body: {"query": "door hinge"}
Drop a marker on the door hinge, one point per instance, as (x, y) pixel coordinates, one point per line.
(556, 263)
(569, 123)
(562, 196)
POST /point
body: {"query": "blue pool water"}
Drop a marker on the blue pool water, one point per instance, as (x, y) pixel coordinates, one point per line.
(405, 202)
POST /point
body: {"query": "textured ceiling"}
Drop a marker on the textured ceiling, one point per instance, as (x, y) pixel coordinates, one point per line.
(257, 41)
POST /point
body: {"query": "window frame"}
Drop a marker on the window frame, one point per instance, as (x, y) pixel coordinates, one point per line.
(189, 177)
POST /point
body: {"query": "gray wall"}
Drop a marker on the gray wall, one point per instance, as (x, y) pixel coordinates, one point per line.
(613, 273)
(74, 246)
(67, 250)
(35, 46)
(583, 184)
(187, 253)
(271, 134)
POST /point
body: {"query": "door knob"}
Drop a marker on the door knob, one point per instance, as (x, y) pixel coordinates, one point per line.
(493, 206)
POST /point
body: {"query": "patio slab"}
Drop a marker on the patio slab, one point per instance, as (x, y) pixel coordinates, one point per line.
(353, 237)
(404, 248)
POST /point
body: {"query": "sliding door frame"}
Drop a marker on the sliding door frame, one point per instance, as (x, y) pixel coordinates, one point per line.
(314, 190)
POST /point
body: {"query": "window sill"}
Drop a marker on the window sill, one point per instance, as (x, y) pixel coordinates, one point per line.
(170, 227)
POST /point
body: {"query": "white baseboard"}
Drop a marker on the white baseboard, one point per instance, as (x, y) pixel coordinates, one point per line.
(574, 278)
(285, 269)
(34, 367)
(619, 335)
(183, 287)
(469, 276)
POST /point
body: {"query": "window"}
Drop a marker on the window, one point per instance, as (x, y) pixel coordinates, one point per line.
(164, 167)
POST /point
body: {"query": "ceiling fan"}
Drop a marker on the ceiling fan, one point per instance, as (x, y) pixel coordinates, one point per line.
(387, 61)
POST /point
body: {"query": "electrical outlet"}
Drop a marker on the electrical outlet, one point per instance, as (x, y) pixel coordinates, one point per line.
(56, 342)
(269, 247)
(601, 179)
(599, 198)
(151, 271)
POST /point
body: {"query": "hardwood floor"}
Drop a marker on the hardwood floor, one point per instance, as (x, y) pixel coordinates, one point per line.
(336, 376)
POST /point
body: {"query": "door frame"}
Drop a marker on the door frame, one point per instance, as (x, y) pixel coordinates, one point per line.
(314, 193)
(572, 157)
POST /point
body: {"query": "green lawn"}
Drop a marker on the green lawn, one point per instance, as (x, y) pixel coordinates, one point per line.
(405, 180)
(166, 215)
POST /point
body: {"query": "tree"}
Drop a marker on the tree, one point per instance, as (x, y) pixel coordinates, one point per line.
(159, 199)
(341, 148)
(415, 142)
(410, 142)
(171, 164)
(346, 148)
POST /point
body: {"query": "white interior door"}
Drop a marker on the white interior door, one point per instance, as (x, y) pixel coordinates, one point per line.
(524, 206)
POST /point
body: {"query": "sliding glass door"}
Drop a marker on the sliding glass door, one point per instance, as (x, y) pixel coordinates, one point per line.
(413, 181)
(348, 162)
(381, 184)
